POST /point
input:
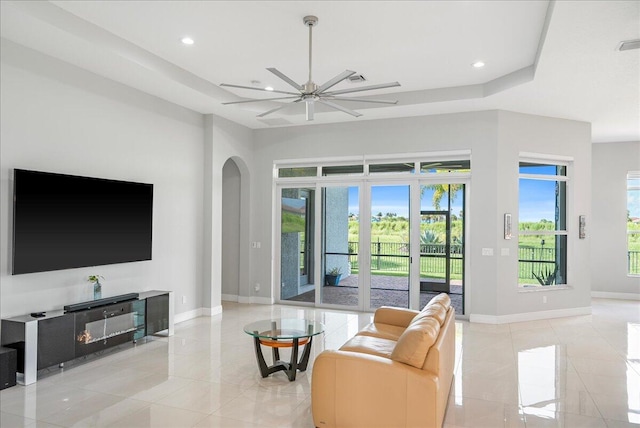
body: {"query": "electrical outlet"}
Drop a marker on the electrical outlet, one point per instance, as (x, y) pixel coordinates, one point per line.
(184, 299)
(257, 287)
(487, 251)
(544, 299)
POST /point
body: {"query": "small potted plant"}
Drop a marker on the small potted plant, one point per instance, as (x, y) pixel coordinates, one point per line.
(97, 287)
(332, 276)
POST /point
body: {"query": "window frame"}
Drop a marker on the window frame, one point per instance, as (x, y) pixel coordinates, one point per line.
(554, 161)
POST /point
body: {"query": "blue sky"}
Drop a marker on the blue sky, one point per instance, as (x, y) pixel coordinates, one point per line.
(537, 200)
(395, 199)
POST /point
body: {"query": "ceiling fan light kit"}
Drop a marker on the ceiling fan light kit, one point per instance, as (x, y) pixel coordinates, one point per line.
(310, 93)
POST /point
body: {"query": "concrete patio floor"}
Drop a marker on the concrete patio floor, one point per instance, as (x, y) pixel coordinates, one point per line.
(385, 291)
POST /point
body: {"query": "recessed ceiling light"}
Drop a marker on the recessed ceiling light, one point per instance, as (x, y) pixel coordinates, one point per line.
(187, 40)
(478, 64)
(268, 88)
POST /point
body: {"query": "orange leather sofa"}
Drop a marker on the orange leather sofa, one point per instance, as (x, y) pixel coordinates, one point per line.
(396, 372)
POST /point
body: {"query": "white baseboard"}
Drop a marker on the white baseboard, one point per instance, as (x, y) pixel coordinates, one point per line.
(195, 313)
(255, 299)
(247, 300)
(185, 316)
(229, 297)
(529, 316)
(209, 312)
(618, 296)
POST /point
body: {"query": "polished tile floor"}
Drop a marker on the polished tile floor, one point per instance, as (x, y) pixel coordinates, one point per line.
(567, 372)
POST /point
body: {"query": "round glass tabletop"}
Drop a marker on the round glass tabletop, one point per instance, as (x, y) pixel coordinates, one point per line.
(286, 328)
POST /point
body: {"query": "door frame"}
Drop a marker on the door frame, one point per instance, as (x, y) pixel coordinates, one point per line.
(364, 182)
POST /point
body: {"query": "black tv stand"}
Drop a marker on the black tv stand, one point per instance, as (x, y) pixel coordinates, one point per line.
(75, 307)
(85, 328)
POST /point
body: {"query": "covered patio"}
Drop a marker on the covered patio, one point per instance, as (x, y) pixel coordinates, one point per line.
(386, 291)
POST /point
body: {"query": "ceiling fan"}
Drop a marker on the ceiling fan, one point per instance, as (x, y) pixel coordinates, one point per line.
(311, 93)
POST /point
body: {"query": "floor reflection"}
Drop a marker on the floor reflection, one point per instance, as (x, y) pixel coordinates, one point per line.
(568, 372)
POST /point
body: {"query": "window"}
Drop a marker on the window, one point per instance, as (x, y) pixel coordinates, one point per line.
(633, 223)
(542, 230)
(310, 171)
(343, 170)
(457, 163)
(383, 168)
(462, 165)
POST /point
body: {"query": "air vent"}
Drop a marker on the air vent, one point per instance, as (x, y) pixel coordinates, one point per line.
(629, 44)
(356, 78)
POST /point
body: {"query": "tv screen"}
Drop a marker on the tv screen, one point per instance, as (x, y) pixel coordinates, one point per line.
(65, 221)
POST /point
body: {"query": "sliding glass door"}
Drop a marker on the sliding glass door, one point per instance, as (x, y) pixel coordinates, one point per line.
(297, 230)
(442, 242)
(365, 244)
(340, 241)
(390, 246)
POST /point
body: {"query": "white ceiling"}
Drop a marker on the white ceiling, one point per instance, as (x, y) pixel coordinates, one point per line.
(546, 58)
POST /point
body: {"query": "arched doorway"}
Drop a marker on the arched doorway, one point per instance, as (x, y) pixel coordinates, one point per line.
(231, 230)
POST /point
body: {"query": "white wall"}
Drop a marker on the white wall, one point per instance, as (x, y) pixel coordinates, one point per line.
(225, 140)
(495, 139)
(608, 225)
(562, 138)
(55, 117)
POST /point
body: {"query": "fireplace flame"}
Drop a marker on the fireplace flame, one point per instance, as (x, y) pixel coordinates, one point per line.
(85, 336)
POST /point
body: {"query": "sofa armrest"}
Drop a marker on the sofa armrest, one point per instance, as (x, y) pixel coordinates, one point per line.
(394, 316)
(353, 389)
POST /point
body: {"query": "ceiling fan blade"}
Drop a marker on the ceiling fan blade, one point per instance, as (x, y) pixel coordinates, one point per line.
(339, 107)
(364, 100)
(363, 88)
(285, 78)
(257, 89)
(339, 78)
(278, 108)
(258, 100)
(270, 111)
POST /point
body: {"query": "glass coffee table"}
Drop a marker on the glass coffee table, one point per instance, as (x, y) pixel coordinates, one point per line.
(283, 333)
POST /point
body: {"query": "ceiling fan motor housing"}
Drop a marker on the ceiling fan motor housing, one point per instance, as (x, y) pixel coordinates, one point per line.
(310, 20)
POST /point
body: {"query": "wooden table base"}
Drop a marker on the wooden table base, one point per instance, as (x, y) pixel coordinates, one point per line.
(290, 368)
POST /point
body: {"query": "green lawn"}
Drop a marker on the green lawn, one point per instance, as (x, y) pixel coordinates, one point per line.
(396, 230)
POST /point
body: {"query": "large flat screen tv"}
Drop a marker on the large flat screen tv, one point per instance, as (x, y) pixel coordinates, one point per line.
(65, 221)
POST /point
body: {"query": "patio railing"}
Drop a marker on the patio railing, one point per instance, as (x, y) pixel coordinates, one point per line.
(394, 257)
(633, 262)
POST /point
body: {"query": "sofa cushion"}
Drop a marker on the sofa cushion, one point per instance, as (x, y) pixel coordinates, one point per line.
(370, 345)
(400, 317)
(413, 345)
(436, 311)
(384, 331)
(443, 299)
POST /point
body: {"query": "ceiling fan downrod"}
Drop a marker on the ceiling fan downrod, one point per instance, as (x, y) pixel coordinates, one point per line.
(310, 21)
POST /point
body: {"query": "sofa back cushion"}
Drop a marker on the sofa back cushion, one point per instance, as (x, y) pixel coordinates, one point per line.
(413, 345)
(442, 299)
(435, 311)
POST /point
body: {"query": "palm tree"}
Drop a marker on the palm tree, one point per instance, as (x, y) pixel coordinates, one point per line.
(439, 191)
